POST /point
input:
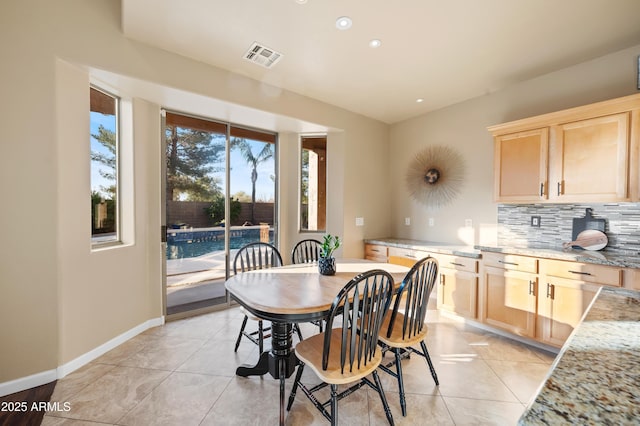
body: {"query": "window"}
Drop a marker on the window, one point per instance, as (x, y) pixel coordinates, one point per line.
(104, 167)
(313, 183)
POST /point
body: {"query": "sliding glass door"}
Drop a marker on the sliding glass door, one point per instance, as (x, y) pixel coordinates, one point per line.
(220, 194)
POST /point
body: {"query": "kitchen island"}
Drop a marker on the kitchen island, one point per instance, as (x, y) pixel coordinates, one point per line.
(595, 380)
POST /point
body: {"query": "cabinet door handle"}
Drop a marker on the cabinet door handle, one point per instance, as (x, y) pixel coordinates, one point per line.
(551, 291)
(442, 280)
(456, 264)
(532, 288)
(542, 189)
(559, 188)
(580, 273)
(376, 250)
(507, 263)
(410, 255)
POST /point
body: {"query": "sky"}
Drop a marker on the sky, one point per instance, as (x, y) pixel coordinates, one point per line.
(240, 176)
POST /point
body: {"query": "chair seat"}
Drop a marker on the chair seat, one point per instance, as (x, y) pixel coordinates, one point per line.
(396, 340)
(250, 315)
(310, 351)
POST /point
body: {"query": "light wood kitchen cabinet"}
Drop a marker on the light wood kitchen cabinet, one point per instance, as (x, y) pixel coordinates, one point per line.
(583, 154)
(566, 290)
(375, 252)
(404, 256)
(520, 162)
(561, 304)
(590, 160)
(508, 293)
(458, 284)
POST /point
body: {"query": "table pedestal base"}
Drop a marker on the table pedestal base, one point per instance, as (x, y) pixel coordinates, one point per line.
(280, 362)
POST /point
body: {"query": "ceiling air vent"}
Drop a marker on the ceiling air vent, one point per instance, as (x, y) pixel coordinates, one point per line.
(262, 55)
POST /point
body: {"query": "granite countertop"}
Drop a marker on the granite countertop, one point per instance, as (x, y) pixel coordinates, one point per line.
(602, 257)
(595, 379)
(432, 246)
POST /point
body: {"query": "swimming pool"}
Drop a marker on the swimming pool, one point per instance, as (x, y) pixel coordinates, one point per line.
(188, 243)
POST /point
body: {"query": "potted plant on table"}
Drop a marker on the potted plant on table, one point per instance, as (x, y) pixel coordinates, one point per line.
(326, 262)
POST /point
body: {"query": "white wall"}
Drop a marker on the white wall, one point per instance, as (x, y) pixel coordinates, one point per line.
(464, 127)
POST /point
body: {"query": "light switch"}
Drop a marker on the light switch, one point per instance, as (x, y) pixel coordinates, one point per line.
(407, 221)
(431, 221)
(359, 221)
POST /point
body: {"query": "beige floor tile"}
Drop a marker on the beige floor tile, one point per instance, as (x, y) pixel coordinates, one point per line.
(416, 376)
(111, 396)
(522, 378)
(218, 357)
(470, 379)
(167, 353)
(247, 401)
(492, 346)
(421, 410)
(182, 399)
(187, 367)
(74, 382)
(479, 412)
(61, 421)
(119, 354)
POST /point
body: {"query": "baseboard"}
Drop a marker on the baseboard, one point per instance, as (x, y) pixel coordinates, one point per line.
(49, 376)
(23, 383)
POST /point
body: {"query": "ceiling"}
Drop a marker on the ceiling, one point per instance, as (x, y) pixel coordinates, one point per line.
(443, 52)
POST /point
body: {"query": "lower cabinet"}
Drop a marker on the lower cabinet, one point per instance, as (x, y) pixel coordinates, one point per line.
(539, 298)
(375, 252)
(565, 293)
(561, 304)
(458, 285)
(509, 300)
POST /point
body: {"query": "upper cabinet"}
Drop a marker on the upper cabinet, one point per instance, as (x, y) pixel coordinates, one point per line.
(584, 154)
(520, 161)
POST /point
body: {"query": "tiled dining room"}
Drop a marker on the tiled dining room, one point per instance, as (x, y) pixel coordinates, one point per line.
(183, 373)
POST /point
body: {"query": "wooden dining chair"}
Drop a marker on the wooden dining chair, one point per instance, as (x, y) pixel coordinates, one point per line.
(251, 257)
(349, 353)
(404, 326)
(306, 251)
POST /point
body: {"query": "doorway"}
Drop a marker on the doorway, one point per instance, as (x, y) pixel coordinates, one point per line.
(220, 194)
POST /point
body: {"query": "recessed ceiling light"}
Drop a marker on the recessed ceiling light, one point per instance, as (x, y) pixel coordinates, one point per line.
(419, 100)
(301, 1)
(375, 43)
(343, 23)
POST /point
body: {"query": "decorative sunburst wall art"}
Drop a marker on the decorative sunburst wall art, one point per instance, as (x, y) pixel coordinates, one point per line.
(435, 176)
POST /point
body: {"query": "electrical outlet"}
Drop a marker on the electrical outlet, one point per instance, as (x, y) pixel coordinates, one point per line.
(359, 221)
(468, 223)
(432, 222)
(407, 221)
(535, 221)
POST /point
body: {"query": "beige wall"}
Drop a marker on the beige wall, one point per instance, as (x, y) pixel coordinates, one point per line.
(464, 127)
(58, 299)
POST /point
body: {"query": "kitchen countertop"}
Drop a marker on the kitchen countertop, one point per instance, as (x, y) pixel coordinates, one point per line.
(434, 247)
(595, 379)
(601, 257)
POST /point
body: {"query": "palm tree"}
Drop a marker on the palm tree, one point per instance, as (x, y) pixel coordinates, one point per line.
(253, 160)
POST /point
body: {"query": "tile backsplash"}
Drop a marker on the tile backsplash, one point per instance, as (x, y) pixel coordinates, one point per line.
(556, 223)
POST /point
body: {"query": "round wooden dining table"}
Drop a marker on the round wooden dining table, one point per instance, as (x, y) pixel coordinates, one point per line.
(290, 294)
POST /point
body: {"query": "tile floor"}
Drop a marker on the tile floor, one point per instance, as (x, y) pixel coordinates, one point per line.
(182, 374)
